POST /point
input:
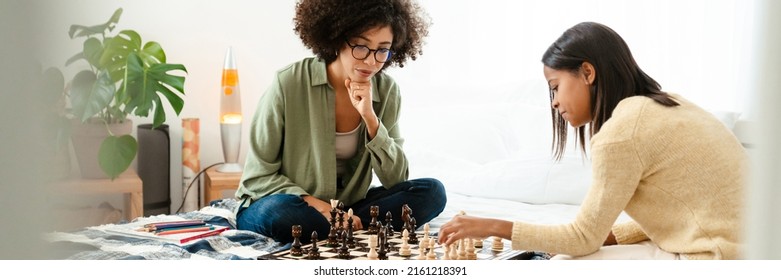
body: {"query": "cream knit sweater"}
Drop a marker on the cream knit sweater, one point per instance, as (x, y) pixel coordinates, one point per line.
(679, 174)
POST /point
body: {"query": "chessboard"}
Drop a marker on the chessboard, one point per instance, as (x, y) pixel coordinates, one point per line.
(361, 249)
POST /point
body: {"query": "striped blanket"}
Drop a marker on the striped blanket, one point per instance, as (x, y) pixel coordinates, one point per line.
(102, 243)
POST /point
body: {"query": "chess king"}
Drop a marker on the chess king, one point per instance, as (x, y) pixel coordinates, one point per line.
(327, 123)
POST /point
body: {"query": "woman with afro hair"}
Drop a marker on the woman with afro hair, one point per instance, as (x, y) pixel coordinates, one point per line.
(328, 123)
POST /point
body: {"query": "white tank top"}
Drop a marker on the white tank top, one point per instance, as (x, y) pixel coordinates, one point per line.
(346, 147)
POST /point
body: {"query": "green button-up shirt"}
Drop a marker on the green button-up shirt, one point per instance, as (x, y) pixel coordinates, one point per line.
(292, 139)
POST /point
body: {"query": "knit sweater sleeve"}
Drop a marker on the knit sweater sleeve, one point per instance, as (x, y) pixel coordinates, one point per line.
(629, 233)
(616, 173)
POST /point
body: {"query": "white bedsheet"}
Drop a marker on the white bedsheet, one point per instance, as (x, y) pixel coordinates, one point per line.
(509, 210)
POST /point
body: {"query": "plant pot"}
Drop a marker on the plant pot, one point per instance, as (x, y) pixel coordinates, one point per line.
(87, 137)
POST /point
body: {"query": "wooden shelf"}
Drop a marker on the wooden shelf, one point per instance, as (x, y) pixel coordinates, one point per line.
(128, 184)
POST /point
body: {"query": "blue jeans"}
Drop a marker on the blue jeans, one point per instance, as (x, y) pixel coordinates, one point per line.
(275, 215)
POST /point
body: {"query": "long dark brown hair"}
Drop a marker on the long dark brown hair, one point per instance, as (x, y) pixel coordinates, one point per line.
(618, 77)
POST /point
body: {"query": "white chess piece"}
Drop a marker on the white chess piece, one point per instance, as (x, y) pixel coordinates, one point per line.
(454, 251)
(446, 256)
(461, 249)
(470, 249)
(421, 251)
(497, 244)
(431, 255)
(372, 255)
(404, 251)
(479, 243)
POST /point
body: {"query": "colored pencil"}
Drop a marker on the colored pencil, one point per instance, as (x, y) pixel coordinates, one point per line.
(176, 231)
(207, 234)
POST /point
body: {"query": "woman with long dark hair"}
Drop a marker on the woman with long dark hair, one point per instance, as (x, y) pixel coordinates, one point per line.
(671, 166)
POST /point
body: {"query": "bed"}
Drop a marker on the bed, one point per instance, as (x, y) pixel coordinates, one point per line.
(494, 161)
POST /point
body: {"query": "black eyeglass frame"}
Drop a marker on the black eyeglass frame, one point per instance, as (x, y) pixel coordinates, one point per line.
(375, 51)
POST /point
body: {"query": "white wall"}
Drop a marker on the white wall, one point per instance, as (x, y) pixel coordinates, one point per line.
(696, 48)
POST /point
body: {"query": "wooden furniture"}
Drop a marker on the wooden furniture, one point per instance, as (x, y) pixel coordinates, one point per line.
(128, 184)
(216, 182)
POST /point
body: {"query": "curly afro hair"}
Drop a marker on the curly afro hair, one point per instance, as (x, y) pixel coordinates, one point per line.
(324, 25)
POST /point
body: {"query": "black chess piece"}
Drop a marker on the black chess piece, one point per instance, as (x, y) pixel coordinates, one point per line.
(340, 227)
(344, 251)
(350, 238)
(332, 221)
(296, 247)
(314, 252)
(413, 236)
(374, 211)
(332, 235)
(382, 253)
(388, 223)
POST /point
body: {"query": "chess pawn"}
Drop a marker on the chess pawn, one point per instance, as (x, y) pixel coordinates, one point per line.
(497, 244)
(453, 251)
(314, 252)
(404, 251)
(446, 256)
(431, 255)
(296, 247)
(374, 211)
(372, 255)
(461, 250)
(421, 252)
(344, 252)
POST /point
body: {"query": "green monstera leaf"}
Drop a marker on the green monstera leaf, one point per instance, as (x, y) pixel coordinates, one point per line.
(90, 94)
(116, 154)
(142, 86)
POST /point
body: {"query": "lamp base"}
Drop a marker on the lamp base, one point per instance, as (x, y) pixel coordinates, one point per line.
(230, 168)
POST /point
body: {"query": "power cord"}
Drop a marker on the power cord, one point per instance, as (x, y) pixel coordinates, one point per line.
(195, 178)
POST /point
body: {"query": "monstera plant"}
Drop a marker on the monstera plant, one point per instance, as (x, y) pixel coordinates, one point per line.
(125, 77)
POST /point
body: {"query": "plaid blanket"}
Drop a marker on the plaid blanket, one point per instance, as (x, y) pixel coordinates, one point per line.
(98, 243)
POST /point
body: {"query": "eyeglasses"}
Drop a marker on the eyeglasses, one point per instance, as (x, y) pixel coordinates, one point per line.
(361, 52)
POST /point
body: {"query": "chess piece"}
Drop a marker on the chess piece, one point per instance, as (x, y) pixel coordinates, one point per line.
(382, 253)
(461, 250)
(332, 235)
(344, 252)
(413, 237)
(350, 238)
(332, 221)
(340, 220)
(388, 221)
(425, 238)
(374, 211)
(404, 251)
(405, 218)
(295, 249)
(470, 249)
(431, 255)
(446, 255)
(497, 244)
(372, 255)
(314, 252)
(479, 243)
(421, 252)
(453, 251)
